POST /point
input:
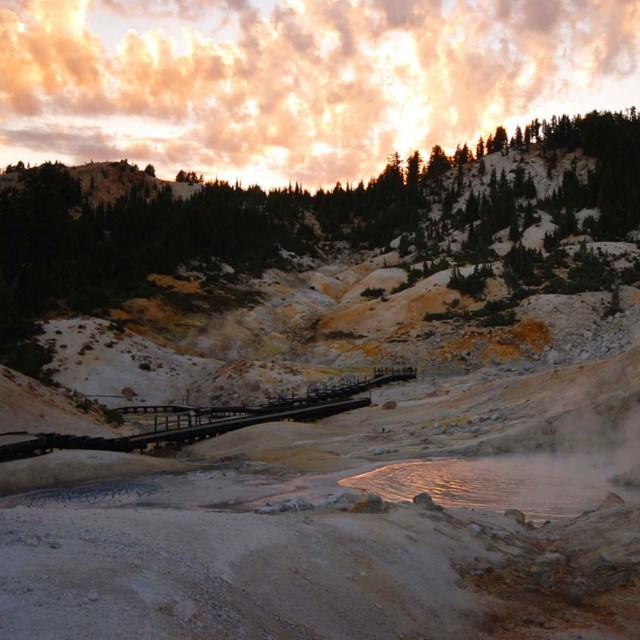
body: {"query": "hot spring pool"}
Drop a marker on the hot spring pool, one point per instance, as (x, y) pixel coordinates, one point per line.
(543, 486)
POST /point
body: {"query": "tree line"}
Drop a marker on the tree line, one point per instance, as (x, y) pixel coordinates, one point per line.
(56, 248)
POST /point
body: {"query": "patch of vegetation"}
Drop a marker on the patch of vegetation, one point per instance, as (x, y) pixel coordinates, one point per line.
(30, 358)
(343, 335)
(614, 305)
(495, 306)
(373, 292)
(112, 417)
(443, 315)
(84, 405)
(211, 300)
(500, 319)
(631, 275)
(591, 272)
(559, 285)
(118, 326)
(473, 284)
(402, 287)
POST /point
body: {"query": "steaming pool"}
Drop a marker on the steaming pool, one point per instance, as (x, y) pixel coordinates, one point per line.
(543, 486)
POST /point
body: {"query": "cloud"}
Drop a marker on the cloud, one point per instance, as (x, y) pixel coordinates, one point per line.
(316, 91)
(61, 141)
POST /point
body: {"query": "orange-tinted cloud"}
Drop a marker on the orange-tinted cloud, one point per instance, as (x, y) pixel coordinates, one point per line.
(312, 90)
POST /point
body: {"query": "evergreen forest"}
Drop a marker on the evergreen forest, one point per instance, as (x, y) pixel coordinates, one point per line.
(60, 250)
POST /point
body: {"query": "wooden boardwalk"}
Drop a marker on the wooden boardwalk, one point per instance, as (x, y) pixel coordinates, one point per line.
(183, 424)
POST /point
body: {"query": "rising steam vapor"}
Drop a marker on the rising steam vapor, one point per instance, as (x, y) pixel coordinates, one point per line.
(312, 91)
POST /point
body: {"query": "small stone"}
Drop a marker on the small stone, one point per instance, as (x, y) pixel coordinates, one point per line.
(93, 597)
(378, 451)
(515, 514)
(128, 393)
(475, 528)
(390, 404)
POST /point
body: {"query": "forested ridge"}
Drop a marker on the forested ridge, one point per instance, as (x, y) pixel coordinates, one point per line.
(59, 249)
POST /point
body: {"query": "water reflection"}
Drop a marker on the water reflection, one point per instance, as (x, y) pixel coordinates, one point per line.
(543, 486)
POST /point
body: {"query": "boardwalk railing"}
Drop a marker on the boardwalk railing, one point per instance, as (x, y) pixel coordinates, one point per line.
(181, 423)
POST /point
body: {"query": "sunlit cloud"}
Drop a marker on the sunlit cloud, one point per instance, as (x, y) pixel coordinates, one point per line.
(274, 91)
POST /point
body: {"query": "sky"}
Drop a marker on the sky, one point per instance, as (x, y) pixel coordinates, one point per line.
(311, 91)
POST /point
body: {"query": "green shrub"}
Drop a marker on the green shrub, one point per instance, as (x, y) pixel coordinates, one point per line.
(371, 293)
(29, 357)
(444, 315)
(473, 284)
(500, 319)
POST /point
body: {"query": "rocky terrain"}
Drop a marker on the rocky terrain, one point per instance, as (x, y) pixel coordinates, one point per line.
(325, 530)
(169, 545)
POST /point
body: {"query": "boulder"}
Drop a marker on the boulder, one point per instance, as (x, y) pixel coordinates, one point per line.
(426, 502)
(369, 503)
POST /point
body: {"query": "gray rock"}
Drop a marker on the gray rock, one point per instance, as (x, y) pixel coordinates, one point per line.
(426, 501)
(296, 504)
(289, 504)
(268, 509)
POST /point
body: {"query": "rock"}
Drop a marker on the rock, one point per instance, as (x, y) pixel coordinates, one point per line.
(343, 501)
(378, 451)
(128, 393)
(369, 503)
(426, 501)
(296, 504)
(267, 509)
(516, 515)
(289, 504)
(475, 528)
(612, 500)
(390, 404)
(553, 356)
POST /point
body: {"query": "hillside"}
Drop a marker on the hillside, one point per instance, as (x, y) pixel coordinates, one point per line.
(510, 277)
